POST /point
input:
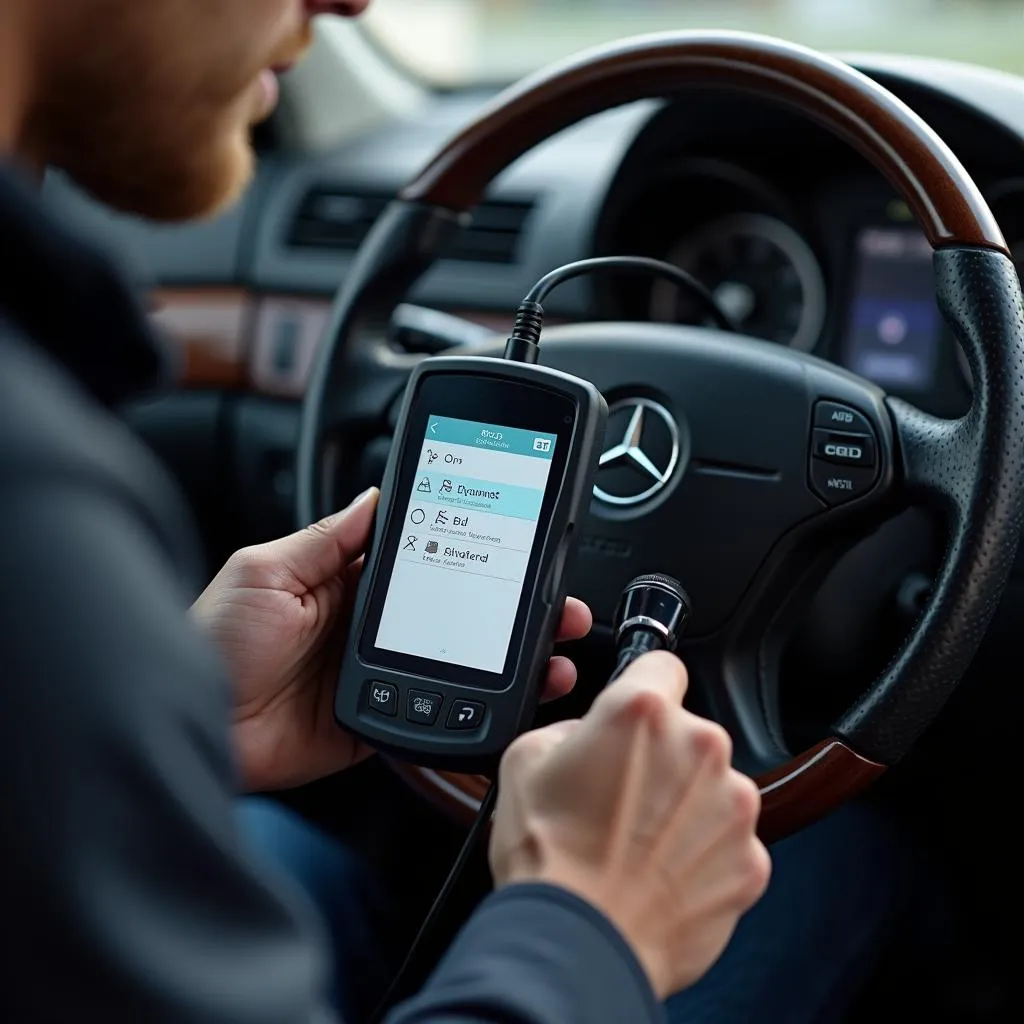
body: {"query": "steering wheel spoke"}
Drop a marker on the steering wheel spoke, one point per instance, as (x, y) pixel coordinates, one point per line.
(937, 457)
(735, 672)
(735, 680)
(374, 378)
(431, 331)
(732, 690)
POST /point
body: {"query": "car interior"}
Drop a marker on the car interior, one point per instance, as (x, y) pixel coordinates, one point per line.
(816, 233)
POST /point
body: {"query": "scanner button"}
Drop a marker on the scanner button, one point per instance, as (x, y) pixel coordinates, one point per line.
(422, 707)
(382, 698)
(465, 714)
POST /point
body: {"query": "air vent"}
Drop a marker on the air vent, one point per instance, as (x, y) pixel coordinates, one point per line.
(329, 219)
(335, 220)
(492, 236)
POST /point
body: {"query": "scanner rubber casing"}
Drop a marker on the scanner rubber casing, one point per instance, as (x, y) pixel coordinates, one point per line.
(510, 711)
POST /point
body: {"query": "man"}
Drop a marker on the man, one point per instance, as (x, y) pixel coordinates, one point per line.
(623, 848)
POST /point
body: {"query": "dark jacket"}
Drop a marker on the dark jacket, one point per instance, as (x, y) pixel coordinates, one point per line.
(126, 891)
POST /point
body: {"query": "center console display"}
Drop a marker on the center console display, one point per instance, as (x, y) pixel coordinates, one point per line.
(894, 328)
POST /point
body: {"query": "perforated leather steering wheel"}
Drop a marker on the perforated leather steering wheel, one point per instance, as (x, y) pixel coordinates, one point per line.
(760, 504)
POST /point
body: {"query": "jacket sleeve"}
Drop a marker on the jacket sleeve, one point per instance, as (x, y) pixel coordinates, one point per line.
(126, 891)
(535, 954)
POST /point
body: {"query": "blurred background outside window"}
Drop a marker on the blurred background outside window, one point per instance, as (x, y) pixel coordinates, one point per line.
(462, 42)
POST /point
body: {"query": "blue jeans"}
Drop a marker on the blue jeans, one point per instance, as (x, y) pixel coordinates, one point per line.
(840, 891)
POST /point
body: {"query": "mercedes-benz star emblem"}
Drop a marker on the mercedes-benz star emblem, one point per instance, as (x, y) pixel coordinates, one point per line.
(630, 451)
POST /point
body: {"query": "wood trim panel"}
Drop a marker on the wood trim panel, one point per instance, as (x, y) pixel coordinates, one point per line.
(266, 344)
(210, 329)
(287, 332)
(944, 199)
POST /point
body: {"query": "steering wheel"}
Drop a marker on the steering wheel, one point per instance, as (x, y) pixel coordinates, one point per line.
(779, 461)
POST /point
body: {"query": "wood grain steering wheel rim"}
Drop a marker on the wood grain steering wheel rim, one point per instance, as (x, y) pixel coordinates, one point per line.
(966, 467)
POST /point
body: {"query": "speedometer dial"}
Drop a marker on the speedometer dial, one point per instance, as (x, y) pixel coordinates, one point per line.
(763, 274)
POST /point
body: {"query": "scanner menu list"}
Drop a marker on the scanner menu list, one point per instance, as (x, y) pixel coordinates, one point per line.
(468, 530)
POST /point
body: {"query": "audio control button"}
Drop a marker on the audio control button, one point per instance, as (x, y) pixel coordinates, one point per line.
(834, 416)
(465, 714)
(837, 485)
(844, 449)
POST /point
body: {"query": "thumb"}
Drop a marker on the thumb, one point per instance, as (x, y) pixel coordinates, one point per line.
(322, 551)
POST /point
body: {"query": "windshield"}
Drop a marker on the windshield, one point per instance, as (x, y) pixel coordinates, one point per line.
(459, 42)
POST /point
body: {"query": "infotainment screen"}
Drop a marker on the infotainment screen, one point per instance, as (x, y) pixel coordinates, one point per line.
(894, 328)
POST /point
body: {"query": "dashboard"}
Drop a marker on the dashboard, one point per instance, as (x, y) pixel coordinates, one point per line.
(800, 239)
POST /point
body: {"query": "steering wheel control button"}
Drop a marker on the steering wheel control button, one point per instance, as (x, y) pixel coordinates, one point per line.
(844, 454)
(844, 449)
(834, 416)
(422, 707)
(838, 485)
(382, 698)
(465, 714)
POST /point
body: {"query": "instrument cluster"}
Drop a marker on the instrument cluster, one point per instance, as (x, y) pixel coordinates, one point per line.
(839, 269)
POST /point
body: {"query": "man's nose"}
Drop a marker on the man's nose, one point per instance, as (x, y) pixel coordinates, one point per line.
(346, 8)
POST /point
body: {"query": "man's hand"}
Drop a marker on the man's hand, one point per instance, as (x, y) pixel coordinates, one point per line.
(279, 613)
(636, 809)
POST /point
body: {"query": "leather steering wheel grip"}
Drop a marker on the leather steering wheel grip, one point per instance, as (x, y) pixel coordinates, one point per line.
(972, 469)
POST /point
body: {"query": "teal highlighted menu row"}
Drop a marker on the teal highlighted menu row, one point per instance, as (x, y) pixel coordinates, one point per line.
(482, 495)
(491, 437)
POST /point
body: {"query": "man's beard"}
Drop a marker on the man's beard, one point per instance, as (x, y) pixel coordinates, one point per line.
(151, 145)
(171, 171)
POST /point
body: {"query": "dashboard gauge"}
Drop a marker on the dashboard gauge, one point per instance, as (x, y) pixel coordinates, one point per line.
(763, 274)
